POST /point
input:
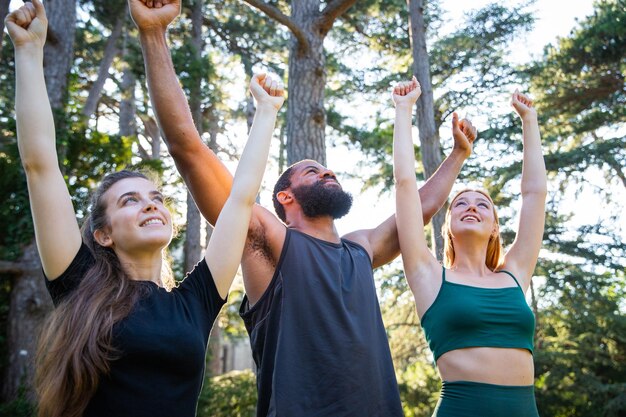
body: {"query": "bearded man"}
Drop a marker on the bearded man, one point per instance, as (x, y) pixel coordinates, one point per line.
(310, 308)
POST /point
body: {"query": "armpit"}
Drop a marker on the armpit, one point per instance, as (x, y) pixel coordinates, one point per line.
(257, 245)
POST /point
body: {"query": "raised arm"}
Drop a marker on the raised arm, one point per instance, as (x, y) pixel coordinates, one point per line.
(416, 256)
(382, 241)
(206, 176)
(522, 257)
(225, 248)
(56, 230)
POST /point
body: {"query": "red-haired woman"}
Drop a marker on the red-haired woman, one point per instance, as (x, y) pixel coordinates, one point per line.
(123, 340)
(473, 309)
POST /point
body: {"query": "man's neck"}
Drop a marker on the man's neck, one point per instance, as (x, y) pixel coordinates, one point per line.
(322, 228)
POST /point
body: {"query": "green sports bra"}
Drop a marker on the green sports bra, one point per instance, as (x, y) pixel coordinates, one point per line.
(464, 316)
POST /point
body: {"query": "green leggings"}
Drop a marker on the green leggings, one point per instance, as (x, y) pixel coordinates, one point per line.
(475, 399)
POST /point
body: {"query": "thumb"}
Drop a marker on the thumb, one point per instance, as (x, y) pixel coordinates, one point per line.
(39, 9)
(10, 24)
(258, 78)
(515, 96)
(455, 121)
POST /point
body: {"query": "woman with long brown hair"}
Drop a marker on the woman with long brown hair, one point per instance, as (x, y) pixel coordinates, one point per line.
(473, 309)
(124, 339)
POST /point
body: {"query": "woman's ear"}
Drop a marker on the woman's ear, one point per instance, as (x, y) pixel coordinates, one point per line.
(103, 238)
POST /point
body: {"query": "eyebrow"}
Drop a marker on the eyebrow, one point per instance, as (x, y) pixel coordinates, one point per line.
(309, 167)
(481, 199)
(135, 193)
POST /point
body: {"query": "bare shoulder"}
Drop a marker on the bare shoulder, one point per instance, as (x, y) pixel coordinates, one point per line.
(522, 273)
(362, 237)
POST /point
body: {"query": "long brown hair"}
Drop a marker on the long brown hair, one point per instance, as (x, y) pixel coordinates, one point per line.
(495, 252)
(75, 347)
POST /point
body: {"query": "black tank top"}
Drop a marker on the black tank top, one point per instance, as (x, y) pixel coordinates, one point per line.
(317, 335)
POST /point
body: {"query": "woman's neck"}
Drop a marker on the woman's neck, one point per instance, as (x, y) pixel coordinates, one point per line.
(144, 266)
(470, 257)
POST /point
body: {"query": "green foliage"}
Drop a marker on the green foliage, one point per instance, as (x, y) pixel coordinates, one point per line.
(230, 322)
(418, 380)
(581, 343)
(581, 79)
(20, 407)
(468, 67)
(237, 29)
(13, 194)
(229, 395)
(107, 12)
(419, 386)
(581, 95)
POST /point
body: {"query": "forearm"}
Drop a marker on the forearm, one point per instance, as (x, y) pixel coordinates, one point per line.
(436, 190)
(253, 159)
(206, 176)
(168, 99)
(35, 124)
(410, 225)
(232, 227)
(50, 202)
(403, 152)
(534, 179)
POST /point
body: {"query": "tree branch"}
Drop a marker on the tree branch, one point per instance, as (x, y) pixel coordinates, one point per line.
(285, 20)
(611, 161)
(616, 167)
(7, 267)
(331, 12)
(233, 46)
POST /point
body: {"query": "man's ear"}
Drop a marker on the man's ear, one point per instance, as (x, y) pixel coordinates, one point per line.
(103, 237)
(285, 197)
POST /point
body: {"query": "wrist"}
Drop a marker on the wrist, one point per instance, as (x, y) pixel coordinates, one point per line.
(152, 34)
(404, 110)
(460, 153)
(530, 117)
(29, 51)
(266, 108)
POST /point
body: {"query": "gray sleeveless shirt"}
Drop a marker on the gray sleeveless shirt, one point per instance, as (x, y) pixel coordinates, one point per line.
(317, 335)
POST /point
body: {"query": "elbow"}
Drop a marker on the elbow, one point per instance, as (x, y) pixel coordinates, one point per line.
(537, 188)
(182, 142)
(403, 183)
(242, 196)
(35, 166)
(537, 191)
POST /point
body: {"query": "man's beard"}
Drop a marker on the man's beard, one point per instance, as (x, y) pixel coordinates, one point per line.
(318, 200)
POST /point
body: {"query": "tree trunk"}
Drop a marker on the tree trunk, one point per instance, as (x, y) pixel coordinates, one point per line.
(250, 110)
(110, 52)
(425, 113)
(309, 23)
(4, 11)
(281, 149)
(59, 49)
(306, 117)
(128, 126)
(30, 304)
(192, 246)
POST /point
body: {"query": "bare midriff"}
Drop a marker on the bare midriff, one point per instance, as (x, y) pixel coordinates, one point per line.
(500, 366)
